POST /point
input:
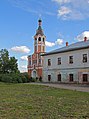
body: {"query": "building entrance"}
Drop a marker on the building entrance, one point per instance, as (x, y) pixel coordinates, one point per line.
(34, 74)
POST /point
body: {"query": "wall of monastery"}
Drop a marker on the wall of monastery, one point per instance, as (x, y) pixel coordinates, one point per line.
(77, 68)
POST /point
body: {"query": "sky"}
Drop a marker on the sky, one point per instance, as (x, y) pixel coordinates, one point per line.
(62, 21)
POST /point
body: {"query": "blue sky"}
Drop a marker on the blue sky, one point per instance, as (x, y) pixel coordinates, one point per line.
(62, 21)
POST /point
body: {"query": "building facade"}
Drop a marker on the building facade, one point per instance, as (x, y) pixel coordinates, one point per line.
(35, 61)
(67, 64)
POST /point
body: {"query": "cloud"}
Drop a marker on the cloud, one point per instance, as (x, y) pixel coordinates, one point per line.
(73, 9)
(20, 49)
(49, 44)
(61, 1)
(57, 42)
(33, 6)
(24, 58)
(23, 66)
(63, 11)
(81, 36)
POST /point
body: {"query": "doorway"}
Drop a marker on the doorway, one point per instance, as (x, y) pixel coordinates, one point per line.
(34, 74)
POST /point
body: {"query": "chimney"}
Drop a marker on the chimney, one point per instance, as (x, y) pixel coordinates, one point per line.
(66, 43)
(85, 39)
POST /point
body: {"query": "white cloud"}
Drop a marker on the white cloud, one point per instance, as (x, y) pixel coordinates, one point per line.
(81, 36)
(24, 58)
(49, 44)
(23, 66)
(59, 42)
(73, 9)
(63, 11)
(21, 49)
(61, 1)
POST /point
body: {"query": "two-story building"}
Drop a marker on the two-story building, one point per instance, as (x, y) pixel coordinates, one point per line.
(67, 64)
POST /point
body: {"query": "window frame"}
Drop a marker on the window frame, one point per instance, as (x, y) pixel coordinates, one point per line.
(85, 77)
(59, 77)
(71, 77)
(59, 60)
(49, 78)
(49, 62)
(84, 58)
(71, 59)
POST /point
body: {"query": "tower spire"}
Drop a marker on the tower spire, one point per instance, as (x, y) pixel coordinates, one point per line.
(39, 30)
(40, 22)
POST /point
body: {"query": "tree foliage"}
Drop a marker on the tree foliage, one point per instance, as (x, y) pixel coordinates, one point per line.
(7, 64)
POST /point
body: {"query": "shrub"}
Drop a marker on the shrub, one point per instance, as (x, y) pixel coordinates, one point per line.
(6, 78)
(32, 79)
(14, 78)
(25, 77)
(40, 79)
(1, 77)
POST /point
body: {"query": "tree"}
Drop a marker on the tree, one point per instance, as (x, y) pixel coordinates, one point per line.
(7, 64)
(13, 66)
(4, 61)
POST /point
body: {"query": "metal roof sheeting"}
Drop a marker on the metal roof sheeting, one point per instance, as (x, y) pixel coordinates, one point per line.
(71, 47)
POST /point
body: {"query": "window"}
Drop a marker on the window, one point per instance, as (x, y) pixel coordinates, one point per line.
(49, 77)
(59, 77)
(85, 77)
(70, 59)
(49, 62)
(71, 77)
(39, 61)
(43, 39)
(84, 58)
(59, 60)
(39, 38)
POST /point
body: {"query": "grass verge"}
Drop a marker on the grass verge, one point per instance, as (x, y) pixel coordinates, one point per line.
(27, 101)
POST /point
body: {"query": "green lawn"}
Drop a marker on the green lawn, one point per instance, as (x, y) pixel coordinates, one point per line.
(27, 101)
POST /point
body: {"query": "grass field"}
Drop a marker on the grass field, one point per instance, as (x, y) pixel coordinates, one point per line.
(26, 101)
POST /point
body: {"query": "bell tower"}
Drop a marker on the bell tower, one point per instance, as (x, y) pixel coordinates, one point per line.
(39, 39)
(35, 61)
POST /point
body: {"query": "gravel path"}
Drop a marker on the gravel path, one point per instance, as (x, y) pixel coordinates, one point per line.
(83, 88)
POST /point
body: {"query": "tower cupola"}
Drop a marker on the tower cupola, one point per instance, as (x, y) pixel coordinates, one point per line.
(39, 30)
(40, 22)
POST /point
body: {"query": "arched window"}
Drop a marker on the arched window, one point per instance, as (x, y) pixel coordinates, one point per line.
(39, 38)
(43, 39)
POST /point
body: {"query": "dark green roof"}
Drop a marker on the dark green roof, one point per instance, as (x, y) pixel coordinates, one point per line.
(39, 31)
